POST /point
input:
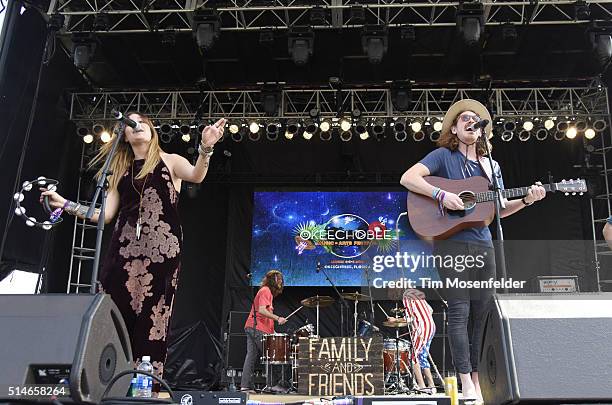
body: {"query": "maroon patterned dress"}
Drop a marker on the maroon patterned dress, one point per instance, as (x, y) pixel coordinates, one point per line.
(141, 274)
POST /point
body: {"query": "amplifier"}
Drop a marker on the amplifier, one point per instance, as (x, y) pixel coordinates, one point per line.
(210, 398)
(237, 319)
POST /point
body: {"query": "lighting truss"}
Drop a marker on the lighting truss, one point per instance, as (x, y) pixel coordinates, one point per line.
(248, 15)
(374, 103)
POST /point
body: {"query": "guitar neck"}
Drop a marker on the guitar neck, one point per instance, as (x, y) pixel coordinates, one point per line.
(510, 193)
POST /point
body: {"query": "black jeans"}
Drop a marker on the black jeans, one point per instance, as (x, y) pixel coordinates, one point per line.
(466, 305)
(254, 348)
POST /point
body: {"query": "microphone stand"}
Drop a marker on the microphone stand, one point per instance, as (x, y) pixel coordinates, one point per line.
(343, 304)
(498, 204)
(101, 190)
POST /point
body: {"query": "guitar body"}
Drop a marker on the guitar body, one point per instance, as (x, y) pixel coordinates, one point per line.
(424, 214)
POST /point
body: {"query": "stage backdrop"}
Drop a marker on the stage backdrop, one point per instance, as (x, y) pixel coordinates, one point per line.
(309, 234)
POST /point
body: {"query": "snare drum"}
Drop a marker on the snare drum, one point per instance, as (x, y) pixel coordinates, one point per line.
(276, 348)
(389, 352)
(305, 331)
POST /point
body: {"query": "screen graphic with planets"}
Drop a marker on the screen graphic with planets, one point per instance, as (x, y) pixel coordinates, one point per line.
(343, 233)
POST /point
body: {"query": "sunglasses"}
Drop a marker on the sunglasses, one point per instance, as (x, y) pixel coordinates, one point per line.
(468, 117)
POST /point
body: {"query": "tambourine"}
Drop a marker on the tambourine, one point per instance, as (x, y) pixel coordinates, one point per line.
(55, 216)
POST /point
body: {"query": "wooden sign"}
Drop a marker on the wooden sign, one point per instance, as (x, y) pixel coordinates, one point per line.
(340, 366)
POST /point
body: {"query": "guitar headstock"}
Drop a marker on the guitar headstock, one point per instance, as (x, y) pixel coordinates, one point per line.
(574, 187)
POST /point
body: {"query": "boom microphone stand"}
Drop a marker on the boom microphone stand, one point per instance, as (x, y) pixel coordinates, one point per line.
(101, 189)
(343, 304)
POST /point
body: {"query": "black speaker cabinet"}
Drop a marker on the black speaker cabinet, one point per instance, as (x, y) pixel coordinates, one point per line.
(547, 348)
(80, 340)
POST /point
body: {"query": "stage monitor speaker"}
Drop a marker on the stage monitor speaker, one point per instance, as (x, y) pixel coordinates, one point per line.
(547, 348)
(209, 397)
(79, 340)
(237, 319)
(236, 351)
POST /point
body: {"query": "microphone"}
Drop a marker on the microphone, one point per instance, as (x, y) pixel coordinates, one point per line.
(479, 125)
(130, 123)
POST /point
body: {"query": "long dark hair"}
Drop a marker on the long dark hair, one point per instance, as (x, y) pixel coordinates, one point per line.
(274, 281)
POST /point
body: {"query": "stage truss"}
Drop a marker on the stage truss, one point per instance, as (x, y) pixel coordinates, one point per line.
(587, 101)
(125, 16)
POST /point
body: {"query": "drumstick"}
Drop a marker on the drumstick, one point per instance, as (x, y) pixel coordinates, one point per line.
(291, 314)
(382, 309)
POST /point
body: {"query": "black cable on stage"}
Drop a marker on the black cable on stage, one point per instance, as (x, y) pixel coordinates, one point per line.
(11, 212)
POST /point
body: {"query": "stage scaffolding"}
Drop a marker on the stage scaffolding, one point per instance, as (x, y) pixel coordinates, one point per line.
(589, 103)
(128, 16)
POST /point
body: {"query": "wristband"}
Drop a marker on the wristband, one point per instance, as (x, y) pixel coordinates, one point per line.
(207, 151)
(525, 202)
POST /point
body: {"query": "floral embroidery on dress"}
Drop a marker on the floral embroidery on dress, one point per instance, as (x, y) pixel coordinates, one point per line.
(160, 316)
(139, 282)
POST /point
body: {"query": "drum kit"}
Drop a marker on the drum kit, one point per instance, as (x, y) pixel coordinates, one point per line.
(283, 348)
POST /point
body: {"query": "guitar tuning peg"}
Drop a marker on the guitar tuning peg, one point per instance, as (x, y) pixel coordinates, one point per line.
(574, 193)
(581, 193)
(566, 193)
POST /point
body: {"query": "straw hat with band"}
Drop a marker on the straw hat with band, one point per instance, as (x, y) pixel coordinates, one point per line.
(460, 106)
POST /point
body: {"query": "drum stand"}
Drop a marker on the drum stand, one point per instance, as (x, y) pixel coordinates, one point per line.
(282, 383)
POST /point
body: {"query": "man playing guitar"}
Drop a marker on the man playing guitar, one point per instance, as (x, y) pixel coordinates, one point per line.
(461, 154)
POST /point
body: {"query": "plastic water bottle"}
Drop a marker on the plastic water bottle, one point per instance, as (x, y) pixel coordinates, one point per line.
(144, 385)
(133, 387)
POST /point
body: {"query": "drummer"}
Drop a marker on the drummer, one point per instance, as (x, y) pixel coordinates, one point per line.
(260, 323)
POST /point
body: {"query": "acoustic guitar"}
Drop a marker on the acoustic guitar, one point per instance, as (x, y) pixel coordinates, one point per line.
(430, 224)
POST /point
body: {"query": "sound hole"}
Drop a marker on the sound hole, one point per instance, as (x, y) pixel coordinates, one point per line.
(469, 202)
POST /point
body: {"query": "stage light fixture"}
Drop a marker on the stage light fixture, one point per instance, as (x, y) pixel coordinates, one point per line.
(434, 136)
(407, 33)
(374, 41)
(307, 135)
(416, 125)
(88, 138)
(541, 134)
(470, 22)
(270, 99)
(600, 36)
(254, 136)
(83, 48)
(562, 126)
(418, 136)
(310, 126)
(165, 128)
(206, 27)
(345, 124)
(101, 22)
(237, 136)
(571, 132)
(589, 133)
(105, 137)
(581, 11)
(357, 15)
(509, 33)
(507, 136)
(527, 125)
(254, 127)
(185, 129)
(401, 136)
(292, 128)
(378, 128)
(318, 16)
(399, 125)
(325, 125)
(325, 135)
(401, 95)
(549, 123)
(97, 129)
(558, 135)
(234, 128)
(300, 44)
(437, 124)
(361, 127)
(82, 130)
(524, 136)
(509, 125)
(186, 137)
(364, 135)
(346, 135)
(581, 125)
(599, 124)
(201, 127)
(272, 131)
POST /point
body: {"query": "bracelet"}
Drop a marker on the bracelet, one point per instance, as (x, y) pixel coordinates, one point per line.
(525, 202)
(435, 192)
(203, 153)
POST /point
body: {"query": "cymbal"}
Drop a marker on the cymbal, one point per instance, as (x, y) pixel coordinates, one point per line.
(322, 300)
(355, 296)
(397, 310)
(395, 323)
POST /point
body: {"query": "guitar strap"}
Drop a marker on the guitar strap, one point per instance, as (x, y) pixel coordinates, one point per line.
(485, 165)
